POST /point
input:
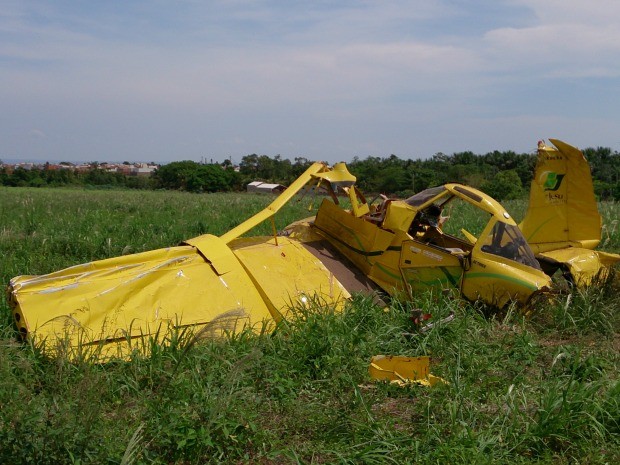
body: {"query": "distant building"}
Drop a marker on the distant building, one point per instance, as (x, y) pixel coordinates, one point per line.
(142, 169)
(265, 188)
(127, 169)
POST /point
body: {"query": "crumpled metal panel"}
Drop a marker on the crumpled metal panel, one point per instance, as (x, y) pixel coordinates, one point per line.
(112, 307)
(586, 266)
(403, 370)
(121, 302)
(287, 274)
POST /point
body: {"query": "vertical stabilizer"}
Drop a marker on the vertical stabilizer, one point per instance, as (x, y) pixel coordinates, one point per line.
(562, 211)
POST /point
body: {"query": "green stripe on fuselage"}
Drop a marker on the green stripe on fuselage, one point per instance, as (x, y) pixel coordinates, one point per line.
(449, 280)
(388, 272)
(502, 277)
(373, 253)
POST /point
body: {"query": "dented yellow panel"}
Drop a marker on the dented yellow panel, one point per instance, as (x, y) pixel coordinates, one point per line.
(117, 305)
(286, 274)
(112, 307)
(403, 370)
(358, 239)
(399, 216)
(498, 282)
(136, 297)
(586, 266)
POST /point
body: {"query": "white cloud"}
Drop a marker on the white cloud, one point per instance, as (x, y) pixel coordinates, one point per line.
(569, 39)
(330, 54)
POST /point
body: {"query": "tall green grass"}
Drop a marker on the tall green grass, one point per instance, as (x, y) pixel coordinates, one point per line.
(544, 389)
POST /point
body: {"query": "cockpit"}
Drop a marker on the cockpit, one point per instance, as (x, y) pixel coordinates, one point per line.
(442, 222)
(507, 241)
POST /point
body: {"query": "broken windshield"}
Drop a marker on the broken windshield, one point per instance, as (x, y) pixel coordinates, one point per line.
(506, 240)
(424, 196)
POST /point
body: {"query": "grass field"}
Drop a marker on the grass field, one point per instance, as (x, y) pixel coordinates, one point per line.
(540, 390)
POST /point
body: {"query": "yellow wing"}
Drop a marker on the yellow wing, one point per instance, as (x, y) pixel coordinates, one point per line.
(109, 308)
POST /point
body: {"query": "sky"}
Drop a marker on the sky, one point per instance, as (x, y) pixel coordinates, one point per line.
(326, 80)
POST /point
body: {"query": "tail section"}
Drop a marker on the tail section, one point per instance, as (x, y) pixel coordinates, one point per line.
(562, 210)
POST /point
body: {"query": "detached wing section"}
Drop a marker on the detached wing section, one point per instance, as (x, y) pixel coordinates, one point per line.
(112, 307)
(115, 306)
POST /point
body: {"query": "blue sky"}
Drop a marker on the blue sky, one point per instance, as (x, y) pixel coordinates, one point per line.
(326, 80)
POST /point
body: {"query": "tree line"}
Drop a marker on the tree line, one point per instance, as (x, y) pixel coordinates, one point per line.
(504, 175)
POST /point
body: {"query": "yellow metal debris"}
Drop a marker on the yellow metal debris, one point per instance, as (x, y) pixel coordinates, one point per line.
(403, 370)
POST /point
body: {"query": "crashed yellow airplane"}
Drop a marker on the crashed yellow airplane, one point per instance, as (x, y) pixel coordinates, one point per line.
(112, 307)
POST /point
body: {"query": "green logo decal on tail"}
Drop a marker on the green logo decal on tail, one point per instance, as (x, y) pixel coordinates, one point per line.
(553, 181)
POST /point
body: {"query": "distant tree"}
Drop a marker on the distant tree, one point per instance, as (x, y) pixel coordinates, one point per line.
(63, 177)
(465, 158)
(282, 169)
(140, 182)
(194, 177)
(174, 175)
(99, 177)
(210, 178)
(19, 178)
(368, 172)
(605, 166)
(264, 168)
(505, 185)
(300, 165)
(36, 182)
(249, 165)
(393, 180)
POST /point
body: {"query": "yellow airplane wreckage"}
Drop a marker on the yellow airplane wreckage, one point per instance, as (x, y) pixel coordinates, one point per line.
(112, 307)
(562, 223)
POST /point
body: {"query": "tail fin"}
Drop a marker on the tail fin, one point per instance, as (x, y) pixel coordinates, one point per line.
(562, 211)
